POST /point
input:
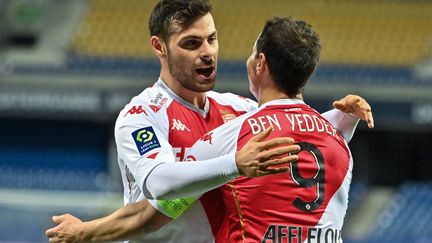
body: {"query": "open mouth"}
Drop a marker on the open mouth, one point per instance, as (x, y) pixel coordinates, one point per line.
(206, 72)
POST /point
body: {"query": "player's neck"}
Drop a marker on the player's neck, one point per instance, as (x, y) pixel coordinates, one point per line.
(197, 99)
(269, 94)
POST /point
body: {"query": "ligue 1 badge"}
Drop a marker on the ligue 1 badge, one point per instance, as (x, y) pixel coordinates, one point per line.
(145, 139)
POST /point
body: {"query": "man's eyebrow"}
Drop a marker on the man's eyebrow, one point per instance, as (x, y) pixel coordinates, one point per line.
(191, 37)
(198, 37)
(213, 33)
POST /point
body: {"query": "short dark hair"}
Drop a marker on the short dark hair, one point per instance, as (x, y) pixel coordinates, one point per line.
(169, 13)
(292, 50)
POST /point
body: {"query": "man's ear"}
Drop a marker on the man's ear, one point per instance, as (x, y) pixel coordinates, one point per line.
(158, 46)
(261, 66)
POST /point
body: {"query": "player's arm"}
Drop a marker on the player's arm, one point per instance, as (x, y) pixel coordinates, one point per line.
(256, 158)
(345, 117)
(347, 113)
(123, 224)
(143, 145)
(144, 217)
(356, 105)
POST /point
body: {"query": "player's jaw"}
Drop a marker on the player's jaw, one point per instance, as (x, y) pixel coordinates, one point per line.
(193, 72)
(203, 75)
(195, 78)
(250, 67)
(251, 64)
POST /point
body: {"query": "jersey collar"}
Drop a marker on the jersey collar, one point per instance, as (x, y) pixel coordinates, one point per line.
(283, 102)
(185, 103)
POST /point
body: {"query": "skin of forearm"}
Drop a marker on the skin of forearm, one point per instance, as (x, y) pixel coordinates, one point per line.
(124, 223)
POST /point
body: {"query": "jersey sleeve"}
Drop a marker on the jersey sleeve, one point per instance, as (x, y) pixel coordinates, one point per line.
(214, 144)
(206, 153)
(175, 180)
(142, 142)
(218, 142)
(250, 105)
(345, 123)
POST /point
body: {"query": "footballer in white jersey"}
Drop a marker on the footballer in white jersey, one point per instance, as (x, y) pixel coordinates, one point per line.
(158, 126)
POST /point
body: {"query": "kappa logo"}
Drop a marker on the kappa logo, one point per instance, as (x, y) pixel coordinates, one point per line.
(207, 137)
(179, 126)
(135, 110)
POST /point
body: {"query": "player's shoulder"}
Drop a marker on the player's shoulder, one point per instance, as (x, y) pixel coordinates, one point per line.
(219, 141)
(228, 97)
(149, 104)
(236, 101)
(231, 129)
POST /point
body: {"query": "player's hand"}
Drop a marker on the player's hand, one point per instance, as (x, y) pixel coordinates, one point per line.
(68, 229)
(259, 157)
(356, 105)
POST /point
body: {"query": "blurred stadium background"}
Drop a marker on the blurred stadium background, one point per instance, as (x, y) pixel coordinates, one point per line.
(68, 66)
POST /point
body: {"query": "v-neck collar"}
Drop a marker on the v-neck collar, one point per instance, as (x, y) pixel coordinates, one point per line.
(202, 112)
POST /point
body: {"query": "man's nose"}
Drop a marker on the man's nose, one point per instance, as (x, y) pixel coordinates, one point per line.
(208, 53)
(207, 59)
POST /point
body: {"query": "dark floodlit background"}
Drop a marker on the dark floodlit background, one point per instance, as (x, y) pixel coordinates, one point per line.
(68, 66)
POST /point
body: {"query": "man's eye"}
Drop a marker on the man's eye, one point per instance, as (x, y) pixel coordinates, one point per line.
(190, 44)
(212, 39)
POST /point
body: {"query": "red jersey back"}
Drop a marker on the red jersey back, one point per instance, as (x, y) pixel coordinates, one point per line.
(306, 204)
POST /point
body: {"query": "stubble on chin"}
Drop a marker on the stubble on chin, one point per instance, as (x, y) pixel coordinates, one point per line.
(198, 86)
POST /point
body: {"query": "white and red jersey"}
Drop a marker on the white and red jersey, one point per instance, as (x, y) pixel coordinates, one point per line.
(158, 126)
(307, 204)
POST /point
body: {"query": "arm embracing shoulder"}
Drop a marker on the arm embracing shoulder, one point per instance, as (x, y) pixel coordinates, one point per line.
(201, 173)
(144, 148)
(345, 123)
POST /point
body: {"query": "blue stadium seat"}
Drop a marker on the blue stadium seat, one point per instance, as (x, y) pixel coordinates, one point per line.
(407, 217)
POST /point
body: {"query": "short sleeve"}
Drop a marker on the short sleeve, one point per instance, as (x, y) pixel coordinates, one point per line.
(142, 142)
